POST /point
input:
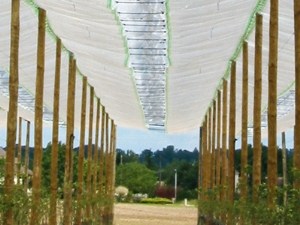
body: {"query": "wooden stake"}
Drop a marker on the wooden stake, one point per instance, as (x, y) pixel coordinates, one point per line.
(213, 148)
(297, 95)
(67, 217)
(204, 159)
(13, 109)
(27, 157)
(284, 170)
(38, 121)
(55, 132)
(90, 152)
(102, 165)
(257, 108)
(209, 150)
(272, 104)
(96, 150)
(244, 157)
(200, 172)
(231, 137)
(81, 152)
(218, 150)
(101, 154)
(224, 142)
(19, 151)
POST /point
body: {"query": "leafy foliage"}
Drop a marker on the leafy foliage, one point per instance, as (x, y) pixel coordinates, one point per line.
(137, 177)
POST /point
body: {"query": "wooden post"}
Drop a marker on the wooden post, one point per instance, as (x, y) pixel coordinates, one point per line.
(101, 154)
(101, 165)
(224, 142)
(67, 217)
(272, 104)
(27, 157)
(38, 120)
(297, 95)
(199, 172)
(244, 157)
(90, 152)
(19, 151)
(213, 146)
(257, 108)
(204, 159)
(12, 110)
(218, 150)
(96, 151)
(81, 152)
(107, 172)
(106, 153)
(111, 173)
(284, 170)
(231, 136)
(55, 132)
(209, 150)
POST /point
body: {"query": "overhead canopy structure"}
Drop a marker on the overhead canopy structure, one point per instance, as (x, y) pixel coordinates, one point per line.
(154, 64)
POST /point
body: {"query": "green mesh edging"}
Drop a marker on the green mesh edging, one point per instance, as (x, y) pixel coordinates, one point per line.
(249, 28)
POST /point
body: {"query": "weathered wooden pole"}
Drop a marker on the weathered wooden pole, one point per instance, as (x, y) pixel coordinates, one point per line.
(96, 150)
(209, 150)
(204, 158)
(213, 146)
(90, 152)
(12, 110)
(107, 161)
(55, 132)
(67, 214)
(272, 104)
(257, 108)
(101, 166)
(78, 217)
(101, 154)
(26, 164)
(19, 151)
(218, 150)
(38, 120)
(107, 171)
(200, 162)
(297, 95)
(224, 142)
(231, 136)
(244, 156)
(284, 170)
(111, 173)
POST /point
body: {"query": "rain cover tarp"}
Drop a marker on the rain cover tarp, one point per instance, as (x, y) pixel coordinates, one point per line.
(152, 63)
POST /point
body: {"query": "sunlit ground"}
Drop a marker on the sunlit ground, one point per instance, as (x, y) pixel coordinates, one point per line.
(142, 214)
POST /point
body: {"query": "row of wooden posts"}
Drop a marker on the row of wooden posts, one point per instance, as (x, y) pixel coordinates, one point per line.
(217, 166)
(101, 161)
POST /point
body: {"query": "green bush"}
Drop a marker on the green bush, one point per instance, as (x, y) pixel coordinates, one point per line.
(156, 201)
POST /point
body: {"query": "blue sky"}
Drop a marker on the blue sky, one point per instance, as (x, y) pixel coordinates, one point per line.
(138, 140)
(127, 139)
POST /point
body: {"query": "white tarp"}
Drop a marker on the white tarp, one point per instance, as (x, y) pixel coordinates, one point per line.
(202, 36)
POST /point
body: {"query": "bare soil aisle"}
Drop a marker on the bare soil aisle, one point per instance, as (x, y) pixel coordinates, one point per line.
(142, 214)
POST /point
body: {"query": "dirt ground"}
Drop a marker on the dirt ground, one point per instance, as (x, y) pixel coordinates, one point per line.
(142, 214)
